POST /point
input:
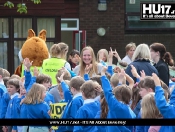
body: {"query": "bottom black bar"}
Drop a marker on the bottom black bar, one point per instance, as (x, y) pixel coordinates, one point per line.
(87, 122)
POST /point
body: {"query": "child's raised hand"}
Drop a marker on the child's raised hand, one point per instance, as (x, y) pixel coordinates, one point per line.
(156, 79)
(103, 70)
(117, 69)
(78, 58)
(35, 71)
(98, 89)
(142, 74)
(27, 63)
(88, 68)
(110, 54)
(121, 76)
(61, 77)
(134, 72)
(115, 53)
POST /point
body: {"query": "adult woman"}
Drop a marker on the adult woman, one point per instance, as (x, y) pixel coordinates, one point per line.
(74, 58)
(130, 48)
(88, 60)
(58, 54)
(141, 61)
(161, 59)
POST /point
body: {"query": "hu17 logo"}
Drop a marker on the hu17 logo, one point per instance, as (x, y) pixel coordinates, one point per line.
(157, 11)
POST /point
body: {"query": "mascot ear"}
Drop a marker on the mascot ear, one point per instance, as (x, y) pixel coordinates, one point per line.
(42, 34)
(31, 33)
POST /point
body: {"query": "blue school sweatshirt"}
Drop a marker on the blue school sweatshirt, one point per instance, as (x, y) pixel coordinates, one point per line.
(68, 99)
(99, 128)
(4, 104)
(21, 108)
(3, 90)
(87, 111)
(28, 78)
(38, 111)
(73, 107)
(167, 110)
(137, 108)
(12, 107)
(49, 99)
(110, 70)
(115, 107)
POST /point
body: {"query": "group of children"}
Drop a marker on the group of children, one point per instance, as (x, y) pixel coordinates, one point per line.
(104, 96)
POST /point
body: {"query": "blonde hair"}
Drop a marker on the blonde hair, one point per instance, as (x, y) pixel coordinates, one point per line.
(105, 53)
(83, 65)
(148, 106)
(129, 46)
(55, 50)
(114, 80)
(6, 73)
(59, 49)
(64, 49)
(15, 76)
(34, 95)
(142, 52)
(66, 76)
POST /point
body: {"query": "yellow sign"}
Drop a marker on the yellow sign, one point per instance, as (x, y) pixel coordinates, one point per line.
(56, 111)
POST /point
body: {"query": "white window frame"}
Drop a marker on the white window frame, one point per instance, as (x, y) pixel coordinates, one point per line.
(70, 19)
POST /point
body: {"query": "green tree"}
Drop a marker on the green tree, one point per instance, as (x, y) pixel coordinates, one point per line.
(21, 7)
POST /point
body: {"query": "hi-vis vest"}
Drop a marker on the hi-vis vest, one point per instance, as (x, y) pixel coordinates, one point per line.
(31, 70)
(51, 66)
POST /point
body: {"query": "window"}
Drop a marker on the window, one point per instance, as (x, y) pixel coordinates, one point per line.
(69, 24)
(14, 32)
(48, 24)
(133, 22)
(4, 26)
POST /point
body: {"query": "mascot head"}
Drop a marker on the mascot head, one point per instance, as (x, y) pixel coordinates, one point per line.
(34, 48)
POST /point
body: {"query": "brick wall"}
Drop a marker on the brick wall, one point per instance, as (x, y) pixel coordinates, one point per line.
(114, 18)
(167, 39)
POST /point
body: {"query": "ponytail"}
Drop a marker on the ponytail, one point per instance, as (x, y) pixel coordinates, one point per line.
(104, 107)
(168, 59)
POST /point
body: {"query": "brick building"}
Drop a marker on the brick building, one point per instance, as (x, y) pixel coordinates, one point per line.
(64, 20)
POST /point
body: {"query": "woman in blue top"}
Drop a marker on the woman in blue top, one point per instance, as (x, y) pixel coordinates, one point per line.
(141, 61)
(36, 107)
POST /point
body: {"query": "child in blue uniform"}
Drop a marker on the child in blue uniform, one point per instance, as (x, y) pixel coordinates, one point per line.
(36, 107)
(38, 78)
(117, 103)
(165, 108)
(90, 106)
(73, 103)
(13, 89)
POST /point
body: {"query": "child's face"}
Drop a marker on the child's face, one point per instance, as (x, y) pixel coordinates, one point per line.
(61, 93)
(143, 92)
(75, 59)
(72, 90)
(11, 89)
(22, 89)
(47, 85)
